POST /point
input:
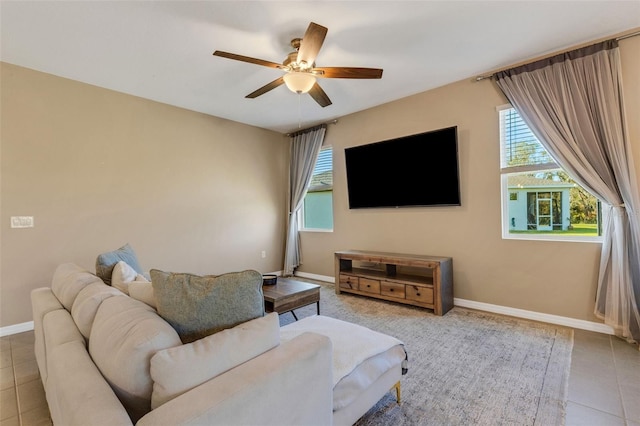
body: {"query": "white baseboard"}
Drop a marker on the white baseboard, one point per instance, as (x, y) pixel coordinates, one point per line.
(505, 310)
(324, 278)
(16, 328)
(536, 316)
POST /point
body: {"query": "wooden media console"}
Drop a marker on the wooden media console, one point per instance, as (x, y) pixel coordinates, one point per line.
(425, 281)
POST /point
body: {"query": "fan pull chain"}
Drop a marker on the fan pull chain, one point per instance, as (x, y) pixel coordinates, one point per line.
(299, 111)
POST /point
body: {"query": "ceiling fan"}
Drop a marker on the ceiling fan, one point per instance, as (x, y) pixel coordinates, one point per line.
(300, 68)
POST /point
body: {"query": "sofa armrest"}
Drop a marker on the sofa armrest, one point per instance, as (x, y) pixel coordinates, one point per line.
(43, 301)
(288, 385)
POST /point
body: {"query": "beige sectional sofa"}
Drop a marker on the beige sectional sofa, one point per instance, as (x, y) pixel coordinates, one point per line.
(108, 359)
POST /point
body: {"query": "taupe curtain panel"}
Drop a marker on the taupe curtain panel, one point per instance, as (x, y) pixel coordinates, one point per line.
(573, 103)
(305, 147)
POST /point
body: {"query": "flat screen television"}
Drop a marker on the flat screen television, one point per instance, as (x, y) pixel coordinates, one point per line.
(413, 171)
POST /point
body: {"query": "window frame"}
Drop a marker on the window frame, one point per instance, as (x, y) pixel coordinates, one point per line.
(505, 172)
(327, 188)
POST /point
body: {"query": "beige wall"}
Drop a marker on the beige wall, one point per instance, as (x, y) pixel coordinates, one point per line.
(98, 169)
(549, 277)
(196, 193)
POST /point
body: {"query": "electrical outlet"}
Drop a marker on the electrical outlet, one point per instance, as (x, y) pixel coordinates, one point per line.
(263, 254)
(22, 221)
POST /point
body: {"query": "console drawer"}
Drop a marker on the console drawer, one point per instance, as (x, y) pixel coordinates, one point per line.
(369, 286)
(419, 294)
(348, 282)
(392, 289)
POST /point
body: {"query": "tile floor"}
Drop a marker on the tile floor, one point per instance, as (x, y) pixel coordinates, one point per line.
(22, 400)
(604, 382)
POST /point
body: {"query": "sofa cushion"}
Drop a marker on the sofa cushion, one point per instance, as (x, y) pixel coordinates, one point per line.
(125, 335)
(77, 391)
(197, 306)
(68, 280)
(58, 329)
(86, 305)
(142, 291)
(107, 261)
(352, 343)
(176, 370)
(123, 275)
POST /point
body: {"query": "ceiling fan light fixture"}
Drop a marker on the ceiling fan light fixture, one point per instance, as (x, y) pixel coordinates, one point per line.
(300, 67)
(299, 82)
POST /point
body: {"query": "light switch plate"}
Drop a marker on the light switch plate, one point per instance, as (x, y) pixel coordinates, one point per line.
(22, 221)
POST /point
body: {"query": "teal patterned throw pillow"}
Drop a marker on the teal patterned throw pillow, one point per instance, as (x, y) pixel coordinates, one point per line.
(198, 306)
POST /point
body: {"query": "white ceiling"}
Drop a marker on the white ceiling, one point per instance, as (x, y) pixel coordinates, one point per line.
(162, 50)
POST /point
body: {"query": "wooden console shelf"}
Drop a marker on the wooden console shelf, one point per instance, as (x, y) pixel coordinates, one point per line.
(425, 281)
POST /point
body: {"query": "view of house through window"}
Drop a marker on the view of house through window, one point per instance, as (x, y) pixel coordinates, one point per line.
(539, 199)
(317, 210)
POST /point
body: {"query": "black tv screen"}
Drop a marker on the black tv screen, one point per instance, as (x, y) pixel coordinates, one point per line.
(418, 170)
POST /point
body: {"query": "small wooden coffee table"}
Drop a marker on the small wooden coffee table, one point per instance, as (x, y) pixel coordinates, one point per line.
(287, 295)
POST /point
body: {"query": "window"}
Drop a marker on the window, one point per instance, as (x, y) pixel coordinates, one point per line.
(317, 208)
(540, 201)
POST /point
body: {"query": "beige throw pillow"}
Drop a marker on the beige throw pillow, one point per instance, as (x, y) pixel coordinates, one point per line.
(142, 291)
(177, 370)
(123, 275)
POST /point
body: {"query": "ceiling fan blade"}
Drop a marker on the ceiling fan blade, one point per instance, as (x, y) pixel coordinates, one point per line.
(348, 72)
(319, 96)
(247, 59)
(311, 43)
(264, 89)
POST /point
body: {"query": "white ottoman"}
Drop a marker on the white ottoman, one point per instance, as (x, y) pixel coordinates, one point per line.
(366, 364)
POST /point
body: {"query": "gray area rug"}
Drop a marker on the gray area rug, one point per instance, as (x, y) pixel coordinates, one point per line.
(466, 367)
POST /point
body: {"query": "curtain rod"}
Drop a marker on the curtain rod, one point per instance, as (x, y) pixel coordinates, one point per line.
(319, 124)
(637, 33)
(485, 77)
